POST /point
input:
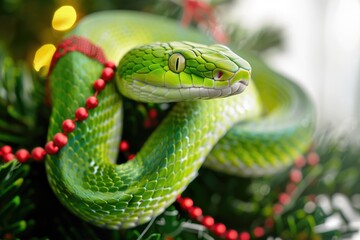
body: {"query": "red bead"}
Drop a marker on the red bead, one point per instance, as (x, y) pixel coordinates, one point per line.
(131, 157)
(219, 229)
(244, 236)
(110, 64)
(8, 236)
(259, 232)
(60, 140)
(66, 42)
(68, 125)
(195, 212)
(50, 148)
(148, 123)
(300, 162)
(8, 157)
(231, 234)
(92, 102)
(124, 146)
(290, 188)
(5, 150)
(313, 158)
(186, 203)
(99, 84)
(22, 155)
(284, 198)
(81, 113)
(208, 221)
(278, 209)
(269, 222)
(295, 175)
(107, 74)
(38, 154)
(152, 113)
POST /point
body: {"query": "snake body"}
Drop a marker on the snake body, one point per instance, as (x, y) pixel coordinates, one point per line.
(257, 132)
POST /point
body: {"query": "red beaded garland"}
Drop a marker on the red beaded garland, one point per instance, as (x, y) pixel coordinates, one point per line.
(22, 155)
(269, 222)
(81, 114)
(208, 221)
(131, 157)
(295, 175)
(147, 123)
(68, 125)
(99, 84)
(244, 236)
(5, 150)
(38, 154)
(152, 113)
(92, 102)
(278, 208)
(195, 212)
(259, 232)
(284, 198)
(8, 157)
(110, 64)
(60, 140)
(219, 229)
(107, 74)
(124, 146)
(186, 203)
(231, 234)
(313, 159)
(50, 148)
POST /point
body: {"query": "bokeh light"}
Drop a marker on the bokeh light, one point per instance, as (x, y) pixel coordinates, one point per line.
(43, 57)
(64, 18)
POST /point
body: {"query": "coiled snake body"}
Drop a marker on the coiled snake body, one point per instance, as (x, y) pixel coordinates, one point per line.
(257, 132)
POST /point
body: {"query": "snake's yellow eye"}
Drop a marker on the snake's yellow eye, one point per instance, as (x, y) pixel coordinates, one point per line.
(177, 62)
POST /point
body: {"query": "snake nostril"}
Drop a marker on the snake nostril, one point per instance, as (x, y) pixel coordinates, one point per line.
(218, 75)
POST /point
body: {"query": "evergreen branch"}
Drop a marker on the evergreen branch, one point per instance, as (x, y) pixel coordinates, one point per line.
(257, 41)
(21, 95)
(12, 200)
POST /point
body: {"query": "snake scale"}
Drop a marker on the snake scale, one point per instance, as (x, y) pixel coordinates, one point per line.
(254, 133)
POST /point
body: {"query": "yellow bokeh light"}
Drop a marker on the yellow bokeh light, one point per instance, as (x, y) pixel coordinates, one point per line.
(43, 57)
(64, 18)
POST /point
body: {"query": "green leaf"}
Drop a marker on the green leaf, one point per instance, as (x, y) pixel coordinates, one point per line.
(154, 236)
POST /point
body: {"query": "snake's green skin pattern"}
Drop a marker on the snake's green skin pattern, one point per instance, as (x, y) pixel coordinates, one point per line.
(275, 123)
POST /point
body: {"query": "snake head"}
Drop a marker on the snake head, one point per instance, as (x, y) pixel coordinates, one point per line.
(178, 71)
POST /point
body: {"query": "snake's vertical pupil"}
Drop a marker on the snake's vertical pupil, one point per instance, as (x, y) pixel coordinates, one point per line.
(177, 62)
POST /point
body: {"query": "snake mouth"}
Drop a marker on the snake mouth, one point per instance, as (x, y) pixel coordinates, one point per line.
(239, 87)
(244, 82)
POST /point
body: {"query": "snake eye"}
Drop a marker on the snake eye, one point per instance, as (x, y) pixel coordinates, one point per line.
(177, 62)
(218, 74)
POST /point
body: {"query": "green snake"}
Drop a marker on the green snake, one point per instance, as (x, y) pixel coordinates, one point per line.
(257, 132)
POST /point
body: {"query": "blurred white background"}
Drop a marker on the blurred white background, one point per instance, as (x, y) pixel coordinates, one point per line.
(321, 49)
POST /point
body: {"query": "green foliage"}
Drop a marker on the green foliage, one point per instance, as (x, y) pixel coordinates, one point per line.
(256, 41)
(14, 203)
(21, 93)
